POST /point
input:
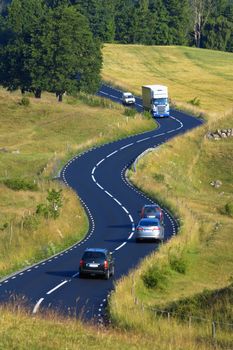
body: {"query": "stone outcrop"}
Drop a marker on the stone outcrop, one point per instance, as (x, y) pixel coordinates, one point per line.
(219, 134)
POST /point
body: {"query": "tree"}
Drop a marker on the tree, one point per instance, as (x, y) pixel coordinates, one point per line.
(23, 18)
(101, 16)
(200, 12)
(64, 56)
(49, 49)
(124, 18)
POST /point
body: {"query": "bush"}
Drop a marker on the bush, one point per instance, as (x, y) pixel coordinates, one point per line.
(195, 101)
(130, 112)
(147, 115)
(155, 277)
(25, 101)
(178, 263)
(229, 209)
(30, 222)
(53, 206)
(158, 177)
(20, 184)
(96, 101)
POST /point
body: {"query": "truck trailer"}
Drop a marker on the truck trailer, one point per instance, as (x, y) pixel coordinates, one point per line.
(155, 100)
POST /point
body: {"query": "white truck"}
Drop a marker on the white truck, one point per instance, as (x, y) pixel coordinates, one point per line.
(155, 100)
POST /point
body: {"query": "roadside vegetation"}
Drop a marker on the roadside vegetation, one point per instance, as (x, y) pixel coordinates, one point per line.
(191, 275)
(35, 141)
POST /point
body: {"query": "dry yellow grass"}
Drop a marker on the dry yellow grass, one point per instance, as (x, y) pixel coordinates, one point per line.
(188, 73)
(205, 235)
(35, 142)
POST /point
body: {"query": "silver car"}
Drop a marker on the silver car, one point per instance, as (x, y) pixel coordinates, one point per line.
(128, 98)
(149, 229)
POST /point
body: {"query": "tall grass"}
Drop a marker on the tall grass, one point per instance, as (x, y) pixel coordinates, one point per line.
(35, 141)
(188, 72)
(199, 258)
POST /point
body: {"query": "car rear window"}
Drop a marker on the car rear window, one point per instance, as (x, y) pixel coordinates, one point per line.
(151, 210)
(93, 255)
(148, 223)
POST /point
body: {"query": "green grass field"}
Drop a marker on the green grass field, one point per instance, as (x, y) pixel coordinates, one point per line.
(35, 141)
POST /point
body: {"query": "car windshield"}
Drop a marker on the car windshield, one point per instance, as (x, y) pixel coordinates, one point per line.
(160, 101)
(128, 95)
(148, 223)
(93, 255)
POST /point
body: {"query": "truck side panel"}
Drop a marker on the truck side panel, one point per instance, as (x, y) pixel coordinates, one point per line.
(146, 98)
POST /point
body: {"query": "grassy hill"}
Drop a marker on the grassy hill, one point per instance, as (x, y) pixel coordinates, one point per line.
(197, 264)
(35, 141)
(190, 273)
(188, 73)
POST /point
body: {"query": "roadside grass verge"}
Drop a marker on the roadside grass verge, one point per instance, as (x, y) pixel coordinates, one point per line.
(35, 141)
(191, 74)
(197, 264)
(19, 330)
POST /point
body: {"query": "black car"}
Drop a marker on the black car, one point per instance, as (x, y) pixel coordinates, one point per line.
(96, 261)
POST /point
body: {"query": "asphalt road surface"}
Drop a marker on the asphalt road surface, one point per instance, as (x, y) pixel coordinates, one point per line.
(113, 206)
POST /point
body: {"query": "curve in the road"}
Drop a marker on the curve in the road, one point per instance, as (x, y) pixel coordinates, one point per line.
(112, 205)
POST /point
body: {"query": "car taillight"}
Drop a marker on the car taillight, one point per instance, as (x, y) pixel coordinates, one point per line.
(139, 229)
(155, 228)
(81, 263)
(106, 264)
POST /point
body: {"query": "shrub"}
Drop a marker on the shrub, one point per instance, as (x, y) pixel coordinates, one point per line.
(155, 277)
(25, 101)
(53, 206)
(130, 112)
(158, 177)
(96, 101)
(229, 209)
(30, 222)
(178, 263)
(21, 184)
(195, 101)
(147, 115)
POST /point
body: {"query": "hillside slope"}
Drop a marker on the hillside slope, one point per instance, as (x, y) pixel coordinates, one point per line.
(188, 73)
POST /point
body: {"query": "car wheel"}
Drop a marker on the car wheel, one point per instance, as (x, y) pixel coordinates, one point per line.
(81, 275)
(107, 275)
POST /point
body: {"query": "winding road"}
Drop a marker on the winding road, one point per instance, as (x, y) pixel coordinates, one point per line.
(112, 205)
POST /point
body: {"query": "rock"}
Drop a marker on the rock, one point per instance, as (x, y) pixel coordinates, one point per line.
(16, 151)
(209, 135)
(216, 137)
(224, 135)
(216, 183)
(3, 150)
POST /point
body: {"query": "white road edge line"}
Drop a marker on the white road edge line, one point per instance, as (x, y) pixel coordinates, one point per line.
(120, 246)
(36, 307)
(58, 286)
(130, 144)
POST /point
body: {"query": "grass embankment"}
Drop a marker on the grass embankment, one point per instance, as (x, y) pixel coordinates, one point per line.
(188, 73)
(200, 258)
(19, 330)
(35, 141)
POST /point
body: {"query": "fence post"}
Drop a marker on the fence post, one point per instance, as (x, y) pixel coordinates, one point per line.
(213, 330)
(168, 316)
(190, 321)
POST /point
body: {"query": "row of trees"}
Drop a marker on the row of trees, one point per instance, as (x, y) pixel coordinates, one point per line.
(48, 48)
(203, 23)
